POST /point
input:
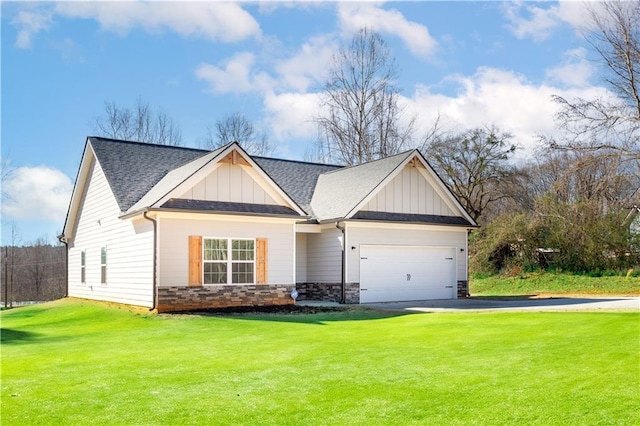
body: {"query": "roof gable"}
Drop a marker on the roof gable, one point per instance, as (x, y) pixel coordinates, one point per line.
(245, 182)
(338, 192)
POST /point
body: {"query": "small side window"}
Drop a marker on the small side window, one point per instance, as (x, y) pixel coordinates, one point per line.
(83, 266)
(103, 265)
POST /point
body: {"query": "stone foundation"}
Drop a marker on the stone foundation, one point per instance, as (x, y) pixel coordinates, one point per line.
(176, 299)
(463, 289)
(329, 292)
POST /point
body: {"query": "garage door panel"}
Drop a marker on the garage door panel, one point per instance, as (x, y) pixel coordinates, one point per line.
(401, 273)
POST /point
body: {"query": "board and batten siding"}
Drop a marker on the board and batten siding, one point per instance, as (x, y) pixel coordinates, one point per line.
(412, 235)
(229, 183)
(324, 256)
(129, 249)
(409, 192)
(173, 243)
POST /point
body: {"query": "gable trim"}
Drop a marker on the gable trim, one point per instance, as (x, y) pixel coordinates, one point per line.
(416, 160)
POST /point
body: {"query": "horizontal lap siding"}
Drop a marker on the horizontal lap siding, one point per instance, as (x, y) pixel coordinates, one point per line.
(324, 256)
(129, 249)
(173, 241)
(451, 237)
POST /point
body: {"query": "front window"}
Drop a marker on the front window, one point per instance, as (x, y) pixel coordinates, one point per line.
(228, 260)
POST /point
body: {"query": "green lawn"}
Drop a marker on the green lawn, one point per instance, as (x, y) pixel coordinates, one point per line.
(552, 283)
(73, 363)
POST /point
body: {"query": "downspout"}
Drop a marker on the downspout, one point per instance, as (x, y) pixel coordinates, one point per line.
(343, 295)
(63, 240)
(155, 260)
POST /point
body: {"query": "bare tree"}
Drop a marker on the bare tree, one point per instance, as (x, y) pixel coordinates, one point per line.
(362, 119)
(474, 164)
(139, 124)
(608, 124)
(238, 128)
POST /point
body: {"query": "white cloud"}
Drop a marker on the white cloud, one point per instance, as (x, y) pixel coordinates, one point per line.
(494, 96)
(538, 23)
(30, 23)
(354, 16)
(291, 115)
(235, 75)
(575, 71)
(309, 65)
(215, 21)
(40, 193)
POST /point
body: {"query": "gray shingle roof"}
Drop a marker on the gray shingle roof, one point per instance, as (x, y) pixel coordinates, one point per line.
(296, 178)
(325, 192)
(133, 168)
(338, 192)
(222, 206)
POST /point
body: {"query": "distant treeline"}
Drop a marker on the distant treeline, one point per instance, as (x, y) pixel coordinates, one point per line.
(32, 273)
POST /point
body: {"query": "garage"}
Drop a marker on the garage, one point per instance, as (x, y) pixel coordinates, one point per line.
(403, 273)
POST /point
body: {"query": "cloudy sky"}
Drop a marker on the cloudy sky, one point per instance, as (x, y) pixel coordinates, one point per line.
(471, 63)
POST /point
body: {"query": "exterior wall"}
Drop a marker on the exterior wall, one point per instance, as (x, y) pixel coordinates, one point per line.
(129, 249)
(176, 299)
(463, 289)
(174, 231)
(407, 235)
(324, 256)
(330, 292)
(301, 258)
(409, 192)
(229, 183)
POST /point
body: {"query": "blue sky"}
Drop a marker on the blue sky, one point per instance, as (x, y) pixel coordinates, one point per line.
(472, 63)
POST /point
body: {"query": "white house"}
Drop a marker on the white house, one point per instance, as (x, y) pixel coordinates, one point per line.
(174, 229)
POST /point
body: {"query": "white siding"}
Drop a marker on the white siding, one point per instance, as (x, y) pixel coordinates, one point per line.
(324, 256)
(301, 258)
(129, 249)
(409, 192)
(173, 237)
(230, 183)
(409, 236)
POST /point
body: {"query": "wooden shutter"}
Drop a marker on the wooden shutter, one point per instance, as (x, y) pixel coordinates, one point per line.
(195, 260)
(261, 260)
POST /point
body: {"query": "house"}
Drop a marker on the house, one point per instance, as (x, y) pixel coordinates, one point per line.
(174, 228)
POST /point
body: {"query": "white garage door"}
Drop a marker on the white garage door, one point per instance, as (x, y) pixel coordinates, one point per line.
(401, 273)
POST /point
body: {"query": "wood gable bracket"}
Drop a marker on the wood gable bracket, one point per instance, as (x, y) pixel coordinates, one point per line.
(234, 158)
(414, 162)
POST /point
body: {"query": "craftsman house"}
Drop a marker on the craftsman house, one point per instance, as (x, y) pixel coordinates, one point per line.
(173, 228)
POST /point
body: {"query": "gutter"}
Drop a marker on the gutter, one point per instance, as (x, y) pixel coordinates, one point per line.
(154, 292)
(342, 279)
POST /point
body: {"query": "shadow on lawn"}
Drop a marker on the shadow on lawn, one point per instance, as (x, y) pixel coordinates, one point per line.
(9, 336)
(302, 314)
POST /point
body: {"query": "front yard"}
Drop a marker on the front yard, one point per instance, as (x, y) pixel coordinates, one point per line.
(71, 362)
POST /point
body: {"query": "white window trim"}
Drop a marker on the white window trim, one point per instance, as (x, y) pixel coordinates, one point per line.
(230, 260)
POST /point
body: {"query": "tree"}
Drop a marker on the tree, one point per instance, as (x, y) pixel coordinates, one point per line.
(611, 125)
(141, 124)
(361, 117)
(238, 128)
(474, 164)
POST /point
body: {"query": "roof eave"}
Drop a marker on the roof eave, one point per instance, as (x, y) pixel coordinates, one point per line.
(139, 212)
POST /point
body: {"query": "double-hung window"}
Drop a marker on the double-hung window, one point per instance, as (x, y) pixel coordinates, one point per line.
(83, 266)
(103, 265)
(228, 261)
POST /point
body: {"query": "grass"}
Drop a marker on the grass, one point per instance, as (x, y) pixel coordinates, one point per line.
(554, 283)
(71, 362)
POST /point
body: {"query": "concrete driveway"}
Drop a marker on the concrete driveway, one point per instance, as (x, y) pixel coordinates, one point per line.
(515, 304)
